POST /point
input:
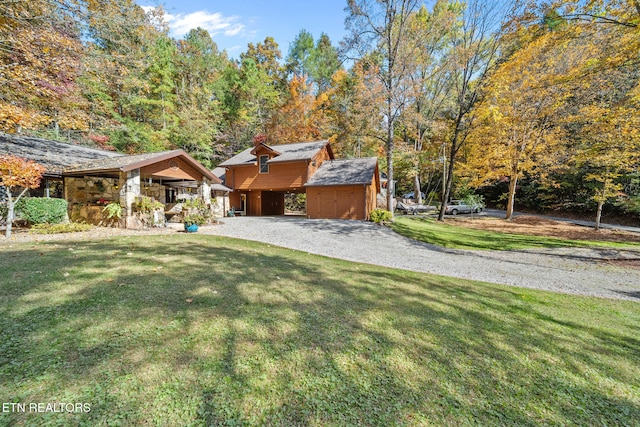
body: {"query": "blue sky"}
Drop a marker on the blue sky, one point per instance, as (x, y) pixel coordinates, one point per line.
(234, 24)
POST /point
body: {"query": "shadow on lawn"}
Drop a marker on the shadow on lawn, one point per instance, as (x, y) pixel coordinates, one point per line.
(179, 330)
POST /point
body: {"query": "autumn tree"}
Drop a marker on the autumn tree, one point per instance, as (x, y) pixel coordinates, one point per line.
(517, 131)
(472, 52)
(199, 66)
(302, 117)
(606, 130)
(40, 52)
(381, 27)
(353, 109)
(421, 123)
(17, 176)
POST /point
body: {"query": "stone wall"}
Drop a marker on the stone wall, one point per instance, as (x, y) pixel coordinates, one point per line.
(155, 190)
(91, 190)
(220, 204)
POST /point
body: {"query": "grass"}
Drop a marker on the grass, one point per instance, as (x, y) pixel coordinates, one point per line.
(201, 330)
(429, 230)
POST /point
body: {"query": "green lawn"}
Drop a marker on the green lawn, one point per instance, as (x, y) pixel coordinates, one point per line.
(429, 230)
(196, 330)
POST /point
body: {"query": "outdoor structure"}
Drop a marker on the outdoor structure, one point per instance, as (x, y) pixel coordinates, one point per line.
(344, 189)
(262, 175)
(90, 178)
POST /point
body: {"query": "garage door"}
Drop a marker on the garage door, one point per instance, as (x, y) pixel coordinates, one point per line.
(337, 202)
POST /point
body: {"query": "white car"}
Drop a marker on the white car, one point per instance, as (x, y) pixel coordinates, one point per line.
(459, 207)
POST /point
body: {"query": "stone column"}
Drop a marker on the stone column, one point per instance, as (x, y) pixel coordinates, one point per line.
(129, 191)
(204, 190)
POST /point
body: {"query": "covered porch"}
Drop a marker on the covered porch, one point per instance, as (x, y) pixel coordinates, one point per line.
(163, 178)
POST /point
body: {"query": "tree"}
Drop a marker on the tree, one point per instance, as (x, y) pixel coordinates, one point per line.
(302, 117)
(353, 109)
(325, 62)
(199, 66)
(39, 67)
(515, 128)
(472, 52)
(18, 175)
(300, 54)
(430, 87)
(608, 138)
(381, 27)
(317, 63)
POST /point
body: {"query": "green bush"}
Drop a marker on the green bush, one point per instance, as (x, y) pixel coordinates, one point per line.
(42, 210)
(195, 218)
(380, 215)
(113, 210)
(146, 204)
(71, 227)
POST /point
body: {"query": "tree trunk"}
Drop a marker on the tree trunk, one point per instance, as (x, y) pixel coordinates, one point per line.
(512, 196)
(599, 214)
(390, 189)
(448, 180)
(9, 213)
(416, 189)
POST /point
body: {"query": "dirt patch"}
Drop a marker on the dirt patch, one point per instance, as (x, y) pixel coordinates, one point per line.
(544, 227)
(625, 263)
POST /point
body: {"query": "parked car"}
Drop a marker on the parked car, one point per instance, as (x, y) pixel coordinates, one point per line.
(459, 207)
(412, 196)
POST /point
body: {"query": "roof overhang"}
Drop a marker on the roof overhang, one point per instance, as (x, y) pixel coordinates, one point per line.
(176, 164)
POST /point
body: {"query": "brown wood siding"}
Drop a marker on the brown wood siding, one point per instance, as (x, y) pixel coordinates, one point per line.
(281, 176)
(234, 200)
(253, 200)
(344, 202)
(164, 168)
(315, 163)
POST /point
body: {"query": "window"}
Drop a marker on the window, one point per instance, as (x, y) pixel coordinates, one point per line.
(264, 166)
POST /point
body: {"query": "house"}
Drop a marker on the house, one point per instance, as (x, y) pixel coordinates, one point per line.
(262, 175)
(88, 178)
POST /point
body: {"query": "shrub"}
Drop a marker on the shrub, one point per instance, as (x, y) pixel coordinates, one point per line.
(380, 215)
(146, 204)
(196, 219)
(71, 227)
(113, 210)
(42, 210)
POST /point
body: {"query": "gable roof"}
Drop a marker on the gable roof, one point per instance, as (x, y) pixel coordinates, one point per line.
(53, 155)
(288, 153)
(135, 161)
(345, 172)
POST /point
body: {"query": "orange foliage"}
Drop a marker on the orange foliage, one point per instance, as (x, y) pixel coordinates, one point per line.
(301, 118)
(39, 79)
(16, 172)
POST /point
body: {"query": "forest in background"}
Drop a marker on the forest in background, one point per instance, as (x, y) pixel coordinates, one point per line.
(533, 104)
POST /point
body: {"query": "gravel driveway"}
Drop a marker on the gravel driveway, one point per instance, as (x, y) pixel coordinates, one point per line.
(576, 271)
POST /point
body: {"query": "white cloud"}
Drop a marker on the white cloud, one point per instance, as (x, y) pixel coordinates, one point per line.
(215, 23)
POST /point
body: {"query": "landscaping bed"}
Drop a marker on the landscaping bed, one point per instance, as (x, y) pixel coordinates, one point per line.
(537, 226)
